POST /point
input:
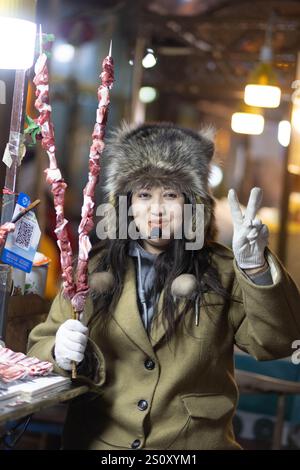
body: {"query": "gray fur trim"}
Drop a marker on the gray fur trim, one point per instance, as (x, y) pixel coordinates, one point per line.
(163, 153)
(184, 285)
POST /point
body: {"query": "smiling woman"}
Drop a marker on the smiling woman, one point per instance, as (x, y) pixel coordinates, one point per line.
(157, 335)
(158, 215)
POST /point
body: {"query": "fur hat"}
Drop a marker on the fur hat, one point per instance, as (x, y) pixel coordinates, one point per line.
(160, 154)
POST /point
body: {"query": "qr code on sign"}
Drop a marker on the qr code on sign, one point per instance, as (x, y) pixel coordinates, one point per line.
(23, 238)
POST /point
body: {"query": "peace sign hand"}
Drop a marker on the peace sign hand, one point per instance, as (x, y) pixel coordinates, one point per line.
(250, 235)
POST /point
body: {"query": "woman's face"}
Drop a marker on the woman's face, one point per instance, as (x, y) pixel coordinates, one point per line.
(157, 214)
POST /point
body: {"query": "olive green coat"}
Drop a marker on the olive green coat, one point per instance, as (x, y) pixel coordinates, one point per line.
(191, 392)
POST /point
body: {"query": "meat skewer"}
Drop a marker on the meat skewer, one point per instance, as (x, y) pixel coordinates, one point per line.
(14, 366)
(87, 211)
(53, 174)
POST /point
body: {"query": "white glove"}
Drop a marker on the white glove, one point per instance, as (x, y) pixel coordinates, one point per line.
(250, 235)
(70, 343)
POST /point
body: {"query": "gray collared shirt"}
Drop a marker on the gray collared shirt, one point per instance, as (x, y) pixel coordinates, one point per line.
(145, 273)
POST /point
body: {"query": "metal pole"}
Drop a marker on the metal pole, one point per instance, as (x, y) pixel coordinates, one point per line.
(8, 201)
(15, 141)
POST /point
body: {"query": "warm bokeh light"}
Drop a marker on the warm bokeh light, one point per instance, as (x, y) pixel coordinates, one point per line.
(247, 123)
(284, 133)
(264, 96)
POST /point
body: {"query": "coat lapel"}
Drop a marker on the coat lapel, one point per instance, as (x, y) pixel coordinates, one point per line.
(127, 313)
(128, 317)
(157, 329)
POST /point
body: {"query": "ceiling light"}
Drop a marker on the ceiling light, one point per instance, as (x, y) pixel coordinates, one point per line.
(147, 94)
(265, 96)
(149, 60)
(284, 133)
(17, 39)
(262, 89)
(247, 123)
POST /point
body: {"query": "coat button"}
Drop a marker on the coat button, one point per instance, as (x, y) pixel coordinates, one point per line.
(149, 364)
(136, 444)
(142, 405)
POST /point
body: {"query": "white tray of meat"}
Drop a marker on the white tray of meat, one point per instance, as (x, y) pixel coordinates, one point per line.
(16, 366)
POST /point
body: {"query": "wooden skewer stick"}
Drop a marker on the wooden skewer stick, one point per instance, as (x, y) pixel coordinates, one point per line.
(25, 210)
(76, 314)
(74, 370)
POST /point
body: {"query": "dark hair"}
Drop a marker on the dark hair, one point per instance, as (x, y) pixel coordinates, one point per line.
(175, 260)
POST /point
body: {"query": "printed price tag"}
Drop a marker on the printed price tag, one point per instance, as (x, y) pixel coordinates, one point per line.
(21, 245)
